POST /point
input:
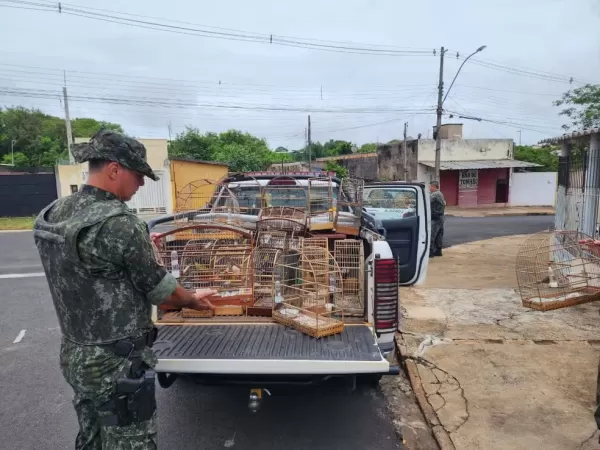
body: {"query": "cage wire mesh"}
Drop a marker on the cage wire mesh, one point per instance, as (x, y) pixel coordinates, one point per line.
(206, 256)
(284, 212)
(558, 268)
(320, 204)
(206, 201)
(349, 255)
(265, 261)
(279, 233)
(349, 205)
(308, 283)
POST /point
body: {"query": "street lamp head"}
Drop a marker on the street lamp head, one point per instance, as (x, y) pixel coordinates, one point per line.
(481, 48)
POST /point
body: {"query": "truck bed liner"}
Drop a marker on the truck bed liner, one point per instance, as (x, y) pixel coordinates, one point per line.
(263, 342)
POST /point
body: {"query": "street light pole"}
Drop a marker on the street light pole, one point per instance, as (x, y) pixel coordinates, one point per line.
(438, 139)
(12, 151)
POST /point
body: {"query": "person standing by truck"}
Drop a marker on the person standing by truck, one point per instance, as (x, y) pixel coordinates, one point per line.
(104, 277)
(438, 207)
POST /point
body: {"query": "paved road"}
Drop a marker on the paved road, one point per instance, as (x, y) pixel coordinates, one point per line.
(36, 409)
(460, 230)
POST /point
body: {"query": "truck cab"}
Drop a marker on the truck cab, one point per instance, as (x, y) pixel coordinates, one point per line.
(257, 350)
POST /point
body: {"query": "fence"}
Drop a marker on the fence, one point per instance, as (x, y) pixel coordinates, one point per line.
(578, 192)
(152, 197)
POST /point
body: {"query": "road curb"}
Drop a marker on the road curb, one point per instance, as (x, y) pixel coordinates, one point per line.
(492, 214)
(15, 231)
(439, 433)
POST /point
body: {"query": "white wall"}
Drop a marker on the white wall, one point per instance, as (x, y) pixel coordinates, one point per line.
(466, 149)
(533, 189)
(424, 173)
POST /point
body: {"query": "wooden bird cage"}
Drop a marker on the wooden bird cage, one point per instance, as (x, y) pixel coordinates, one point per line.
(556, 269)
(320, 204)
(279, 233)
(284, 212)
(349, 205)
(212, 256)
(265, 261)
(349, 256)
(206, 201)
(306, 290)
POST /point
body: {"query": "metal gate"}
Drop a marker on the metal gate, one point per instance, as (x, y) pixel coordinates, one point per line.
(152, 197)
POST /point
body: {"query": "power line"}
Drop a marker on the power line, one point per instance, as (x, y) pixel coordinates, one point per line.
(237, 35)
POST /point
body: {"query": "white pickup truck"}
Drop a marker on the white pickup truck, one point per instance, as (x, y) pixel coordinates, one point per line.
(263, 353)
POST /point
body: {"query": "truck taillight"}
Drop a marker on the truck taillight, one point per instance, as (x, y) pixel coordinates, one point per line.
(386, 295)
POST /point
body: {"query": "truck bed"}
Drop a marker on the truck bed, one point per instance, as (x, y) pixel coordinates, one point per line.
(265, 349)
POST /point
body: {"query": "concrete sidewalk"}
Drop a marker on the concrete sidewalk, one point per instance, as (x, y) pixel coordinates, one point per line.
(497, 211)
(491, 373)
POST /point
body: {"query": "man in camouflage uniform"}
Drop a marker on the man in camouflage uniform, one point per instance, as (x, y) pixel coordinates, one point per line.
(104, 278)
(438, 206)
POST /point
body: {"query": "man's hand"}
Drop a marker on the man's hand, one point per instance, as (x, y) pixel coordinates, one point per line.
(201, 300)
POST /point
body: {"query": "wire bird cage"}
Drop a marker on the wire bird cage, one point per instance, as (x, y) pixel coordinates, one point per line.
(307, 287)
(212, 256)
(556, 269)
(279, 233)
(284, 212)
(349, 205)
(349, 255)
(265, 261)
(320, 204)
(206, 201)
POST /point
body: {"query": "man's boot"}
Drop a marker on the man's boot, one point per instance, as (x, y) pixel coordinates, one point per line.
(438, 252)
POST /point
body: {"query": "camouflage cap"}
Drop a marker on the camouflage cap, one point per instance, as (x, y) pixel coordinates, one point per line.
(108, 145)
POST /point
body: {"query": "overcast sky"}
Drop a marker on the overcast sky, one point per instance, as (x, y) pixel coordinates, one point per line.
(185, 79)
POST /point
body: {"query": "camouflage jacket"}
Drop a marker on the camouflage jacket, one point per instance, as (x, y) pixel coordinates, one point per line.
(438, 205)
(101, 267)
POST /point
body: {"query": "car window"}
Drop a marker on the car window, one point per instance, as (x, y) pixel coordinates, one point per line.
(390, 198)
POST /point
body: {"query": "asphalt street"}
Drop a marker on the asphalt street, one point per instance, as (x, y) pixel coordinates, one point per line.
(36, 410)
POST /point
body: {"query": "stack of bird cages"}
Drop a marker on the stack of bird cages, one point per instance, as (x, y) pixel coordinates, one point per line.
(558, 268)
(349, 205)
(284, 212)
(320, 204)
(278, 233)
(349, 256)
(265, 261)
(304, 293)
(213, 256)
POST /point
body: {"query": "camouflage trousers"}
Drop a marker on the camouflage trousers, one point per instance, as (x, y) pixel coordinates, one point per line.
(92, 373)
(437, 236)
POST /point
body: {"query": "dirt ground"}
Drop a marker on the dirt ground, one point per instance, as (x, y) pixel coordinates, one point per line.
(497, 374)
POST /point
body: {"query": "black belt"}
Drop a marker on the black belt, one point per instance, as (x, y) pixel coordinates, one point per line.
(126, 347)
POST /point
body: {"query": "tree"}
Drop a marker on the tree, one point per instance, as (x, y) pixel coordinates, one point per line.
(582, 106)
(20, 160)
(368, 148)
(334, 166)
(243, 152)
(40, 139)
(546, 156)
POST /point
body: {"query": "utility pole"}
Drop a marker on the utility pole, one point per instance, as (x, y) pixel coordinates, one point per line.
(438, 137)
(68, 121)
(404, 151)
(309, 146)
(519, 137)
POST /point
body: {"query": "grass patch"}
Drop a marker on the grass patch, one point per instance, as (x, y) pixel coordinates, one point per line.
(16, 223)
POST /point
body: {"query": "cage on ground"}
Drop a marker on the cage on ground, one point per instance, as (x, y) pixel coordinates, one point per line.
(558, 268)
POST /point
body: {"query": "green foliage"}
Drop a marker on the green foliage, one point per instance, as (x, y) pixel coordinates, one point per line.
(582, 106)
(333, 166)
(368, 148)
(243, 152)
(40, 139)
(546, 156)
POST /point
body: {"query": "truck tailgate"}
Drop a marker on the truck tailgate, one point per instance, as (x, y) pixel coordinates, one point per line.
(265, 349)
